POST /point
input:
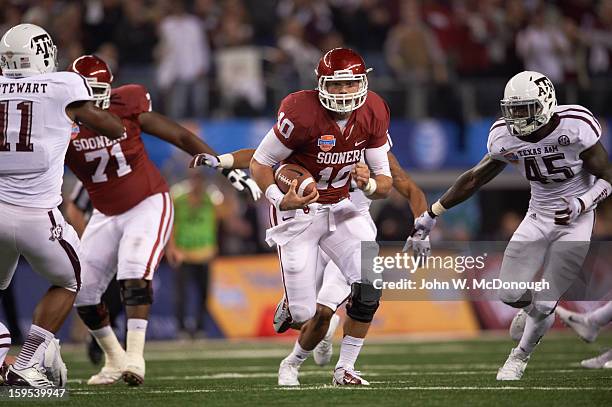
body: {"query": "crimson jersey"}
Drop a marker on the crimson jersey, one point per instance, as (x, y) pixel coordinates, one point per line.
(320, 146)
(117, 174)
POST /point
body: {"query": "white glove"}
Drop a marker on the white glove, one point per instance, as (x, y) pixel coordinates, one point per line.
(240, 180)
(424, 224)
(205, 159)
(420, 246)
(573, 208)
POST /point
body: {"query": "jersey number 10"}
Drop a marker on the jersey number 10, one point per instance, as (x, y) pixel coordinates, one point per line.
(25, 128)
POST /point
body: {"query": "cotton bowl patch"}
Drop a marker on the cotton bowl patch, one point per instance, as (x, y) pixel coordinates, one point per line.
(326, 142)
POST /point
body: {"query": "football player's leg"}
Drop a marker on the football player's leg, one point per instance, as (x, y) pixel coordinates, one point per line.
(99, 249)
(146, 230)
(50, 245)
(334, 291)
(344, 247)
(299, 260)
(5, 344)
(523, 258)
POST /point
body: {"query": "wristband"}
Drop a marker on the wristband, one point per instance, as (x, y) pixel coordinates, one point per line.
(370, 188)
(600, 190)
(274, 194)
(226, 160)
(436, 209)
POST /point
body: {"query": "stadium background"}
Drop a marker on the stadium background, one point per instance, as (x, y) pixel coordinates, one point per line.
(221, 68)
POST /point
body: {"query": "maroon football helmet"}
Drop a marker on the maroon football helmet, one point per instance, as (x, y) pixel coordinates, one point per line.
(342, 64)
(98, 75)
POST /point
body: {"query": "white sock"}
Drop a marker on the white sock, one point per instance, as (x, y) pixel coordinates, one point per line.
(602, 315)
(136, 332)
(349, 350)
(109, 343)
(536, 325)
(34, 347)
(298, 355)
(5, 342)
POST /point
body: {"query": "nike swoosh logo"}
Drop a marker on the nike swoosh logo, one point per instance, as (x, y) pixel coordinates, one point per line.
(287, 218)
(359, 143)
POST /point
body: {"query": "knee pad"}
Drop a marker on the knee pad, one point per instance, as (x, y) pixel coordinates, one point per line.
(136, 292)
(94, 316)
(363, 302)
(300, 313)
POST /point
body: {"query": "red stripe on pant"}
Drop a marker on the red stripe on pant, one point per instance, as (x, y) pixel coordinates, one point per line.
(72, 255)
(159, 232)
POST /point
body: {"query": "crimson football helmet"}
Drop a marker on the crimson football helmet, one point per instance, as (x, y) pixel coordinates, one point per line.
(98, 75)
(342, 64)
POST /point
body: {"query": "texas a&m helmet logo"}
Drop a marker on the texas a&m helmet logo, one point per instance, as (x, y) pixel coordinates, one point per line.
(326, 142)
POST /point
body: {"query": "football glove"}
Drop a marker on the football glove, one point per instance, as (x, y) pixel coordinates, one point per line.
(424, 224)
(420, 246)
(573, 208)
(240, 180)
(205, 159)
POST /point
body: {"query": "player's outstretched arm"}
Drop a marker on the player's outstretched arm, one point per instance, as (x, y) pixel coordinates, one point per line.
(239, 159)
(471, 181)
(406, 187)
(595, 161)
(100, 121)
(168, 130)
(464, 187)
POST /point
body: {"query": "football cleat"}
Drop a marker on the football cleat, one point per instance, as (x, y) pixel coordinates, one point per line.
(282, 317)
(585, 329)
(108, 375)
(322, 353)
(33, 376)
(288, 374)
(348, 377)
(599, 361)
(134, 371)
(517, 326)
(514, 367)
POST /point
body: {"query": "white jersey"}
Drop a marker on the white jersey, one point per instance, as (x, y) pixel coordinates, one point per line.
(34, 136)
(553, 164)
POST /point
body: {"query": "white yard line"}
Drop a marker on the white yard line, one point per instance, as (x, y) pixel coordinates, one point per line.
(346, 388)
(326, 372)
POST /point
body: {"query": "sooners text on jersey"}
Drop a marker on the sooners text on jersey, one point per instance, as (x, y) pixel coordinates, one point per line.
(320, 146)
(117, 174)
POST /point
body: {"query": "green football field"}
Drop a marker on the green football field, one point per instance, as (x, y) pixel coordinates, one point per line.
(402, 372)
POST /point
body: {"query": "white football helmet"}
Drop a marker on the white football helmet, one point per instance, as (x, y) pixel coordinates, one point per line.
(529, 102)
(26, 50)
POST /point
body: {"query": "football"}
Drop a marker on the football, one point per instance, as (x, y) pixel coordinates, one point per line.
(286, 173)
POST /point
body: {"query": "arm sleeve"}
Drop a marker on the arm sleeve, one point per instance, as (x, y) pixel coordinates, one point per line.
(378, 160)
(291, 128)
(271, 150)
(494, 150)
(138, 99)
(380, 131)
(590, 131)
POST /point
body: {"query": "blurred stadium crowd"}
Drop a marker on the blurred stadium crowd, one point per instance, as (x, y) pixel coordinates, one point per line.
(189, 53)
(446, 59)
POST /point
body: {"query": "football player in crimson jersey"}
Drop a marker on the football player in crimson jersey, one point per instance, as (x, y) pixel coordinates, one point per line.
(132, 217)
(327, 131)
(332, 288)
